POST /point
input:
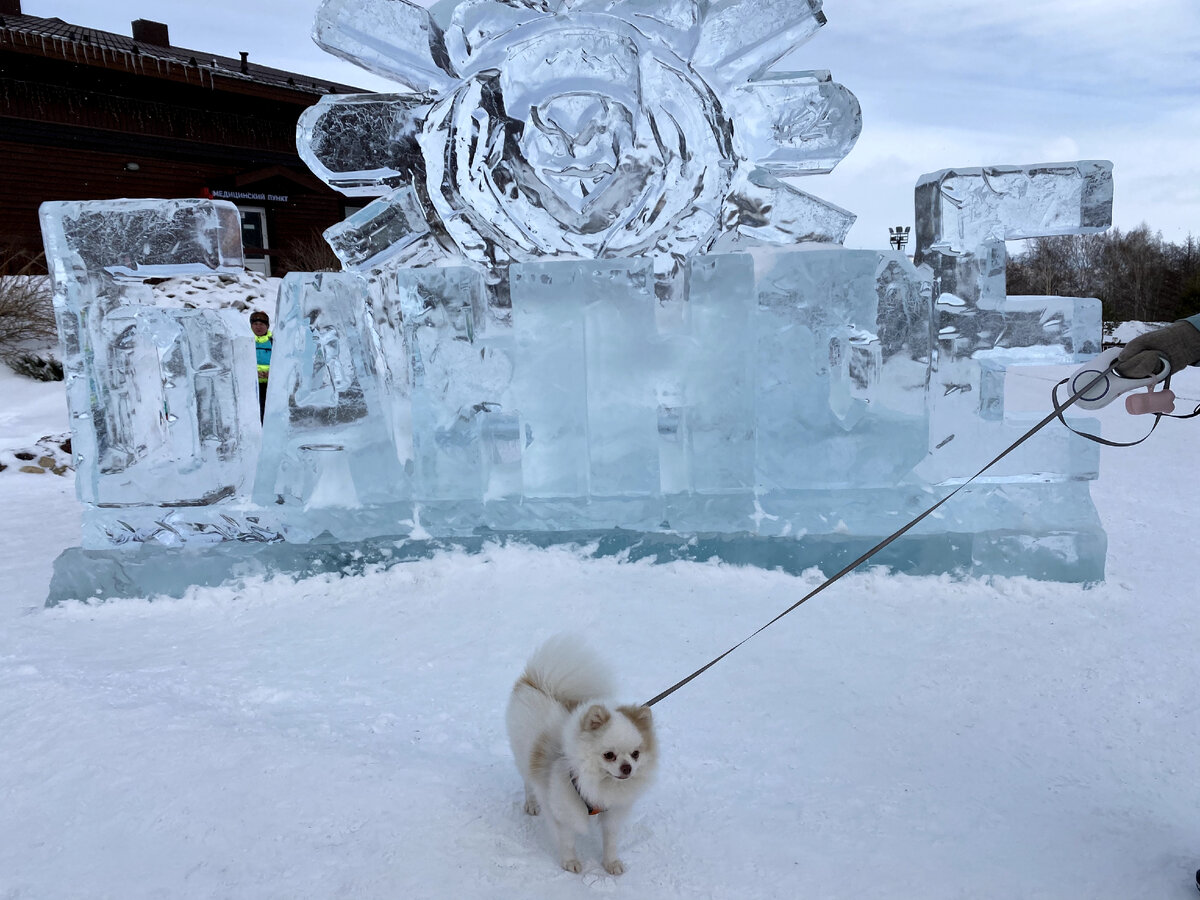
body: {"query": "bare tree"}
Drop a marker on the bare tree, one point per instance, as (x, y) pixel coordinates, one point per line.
(1136, 274)
(26, 311)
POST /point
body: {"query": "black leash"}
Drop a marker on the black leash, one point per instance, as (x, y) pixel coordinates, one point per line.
(1056, 414)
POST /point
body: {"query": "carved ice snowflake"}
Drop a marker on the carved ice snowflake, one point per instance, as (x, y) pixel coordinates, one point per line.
(576, 128)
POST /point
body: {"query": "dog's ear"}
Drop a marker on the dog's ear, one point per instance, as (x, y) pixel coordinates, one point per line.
(595, 718)
(641, 717)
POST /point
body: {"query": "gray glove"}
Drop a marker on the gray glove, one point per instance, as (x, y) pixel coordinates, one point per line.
(1179, 343)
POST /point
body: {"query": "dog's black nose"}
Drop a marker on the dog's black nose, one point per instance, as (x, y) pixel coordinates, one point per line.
(626, 768)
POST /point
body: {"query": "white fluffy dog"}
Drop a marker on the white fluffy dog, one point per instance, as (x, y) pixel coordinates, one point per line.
(579, 754)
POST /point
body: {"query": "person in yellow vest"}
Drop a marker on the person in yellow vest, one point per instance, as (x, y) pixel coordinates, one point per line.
(260, 324)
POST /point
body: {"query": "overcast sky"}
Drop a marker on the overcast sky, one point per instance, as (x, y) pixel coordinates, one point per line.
(942, 83)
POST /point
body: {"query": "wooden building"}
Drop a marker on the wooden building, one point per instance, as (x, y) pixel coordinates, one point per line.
(92, 115)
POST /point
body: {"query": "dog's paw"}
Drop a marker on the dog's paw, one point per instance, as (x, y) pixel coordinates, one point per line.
(573, 865)
(531, 807)
(614, 867)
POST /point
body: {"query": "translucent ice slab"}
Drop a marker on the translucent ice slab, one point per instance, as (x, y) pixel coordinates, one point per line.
(963, 218)
(163, 401)
(577, 399)
(1047, 532)
(326, 437)
(960, 209)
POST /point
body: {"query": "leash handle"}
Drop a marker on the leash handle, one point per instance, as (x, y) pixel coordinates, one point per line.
(1057, 413)
(1158, 417)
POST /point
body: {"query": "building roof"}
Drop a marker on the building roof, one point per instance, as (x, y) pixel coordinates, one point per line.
(89, 46)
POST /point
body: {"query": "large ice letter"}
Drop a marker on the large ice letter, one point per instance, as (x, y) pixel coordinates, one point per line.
(163, 402)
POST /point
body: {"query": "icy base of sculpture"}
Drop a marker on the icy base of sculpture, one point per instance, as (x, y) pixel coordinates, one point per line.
(1043, 531)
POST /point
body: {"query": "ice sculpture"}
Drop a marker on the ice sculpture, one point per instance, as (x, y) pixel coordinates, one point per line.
(159, 398)
(963, 218)
(588, 129)
(965, 215)
(584, 304)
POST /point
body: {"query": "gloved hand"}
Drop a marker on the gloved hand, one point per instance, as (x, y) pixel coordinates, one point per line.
(1179, 343)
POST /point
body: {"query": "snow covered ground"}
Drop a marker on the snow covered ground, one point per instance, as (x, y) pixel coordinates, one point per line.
(896, 737)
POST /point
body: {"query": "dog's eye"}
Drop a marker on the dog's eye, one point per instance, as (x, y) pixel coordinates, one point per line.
(635, 754)
(610, 756)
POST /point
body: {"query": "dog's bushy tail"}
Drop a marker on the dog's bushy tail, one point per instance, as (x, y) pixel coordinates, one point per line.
(567, 669)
